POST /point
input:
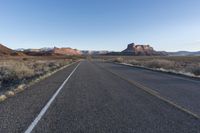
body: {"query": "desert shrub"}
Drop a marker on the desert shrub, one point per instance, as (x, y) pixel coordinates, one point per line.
(178, 64)
(159, 63)
(53, 65)
(74, 57)
(7, 76)
(41, 68)
(118, 60)
(14, 72)
(194, 69)
(24, 59)
(134, 62)
(18, 69)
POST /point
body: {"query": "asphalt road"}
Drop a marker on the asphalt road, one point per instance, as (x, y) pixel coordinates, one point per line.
(180, 90)
(101, 97)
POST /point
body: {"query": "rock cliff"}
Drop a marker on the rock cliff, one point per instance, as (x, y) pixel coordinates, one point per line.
(140, 50)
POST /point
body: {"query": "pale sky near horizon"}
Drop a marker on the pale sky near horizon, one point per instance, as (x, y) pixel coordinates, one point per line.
(169, 25)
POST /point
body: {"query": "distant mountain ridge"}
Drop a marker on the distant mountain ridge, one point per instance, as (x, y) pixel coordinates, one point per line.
(51, 51)
(66, 51)
(5, 51)
(94, 52)
(62, 51)
(131, 50)
(184, 53)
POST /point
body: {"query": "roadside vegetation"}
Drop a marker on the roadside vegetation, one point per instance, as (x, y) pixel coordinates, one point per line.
(15, 71)
(183, 65)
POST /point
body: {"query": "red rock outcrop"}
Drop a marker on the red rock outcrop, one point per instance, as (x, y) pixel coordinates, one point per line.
(66, 51)
(140, 50)
(5, 50)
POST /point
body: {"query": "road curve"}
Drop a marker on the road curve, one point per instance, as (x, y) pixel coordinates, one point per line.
(93, 100)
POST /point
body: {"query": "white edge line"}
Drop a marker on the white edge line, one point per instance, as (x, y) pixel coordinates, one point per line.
(45, 108)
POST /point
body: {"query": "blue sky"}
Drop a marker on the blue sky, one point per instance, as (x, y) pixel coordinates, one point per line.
(169, 25)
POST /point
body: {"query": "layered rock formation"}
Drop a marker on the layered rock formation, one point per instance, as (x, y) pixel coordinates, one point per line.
(66, 51)
(51, 51)
(141, 50)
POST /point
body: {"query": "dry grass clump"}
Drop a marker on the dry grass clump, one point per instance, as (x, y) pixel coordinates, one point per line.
(14, 72)
(159, 63)
(9, 93)
(43, 66)
(196, 71)
(117, 60)
(2, 98)
(193, 68)
(123, 60)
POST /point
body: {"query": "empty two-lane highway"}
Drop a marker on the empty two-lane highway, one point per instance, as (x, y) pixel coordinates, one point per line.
(181, 90)
(99, 97)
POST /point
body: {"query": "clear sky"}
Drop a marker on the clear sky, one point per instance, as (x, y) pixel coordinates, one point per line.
(169, 25)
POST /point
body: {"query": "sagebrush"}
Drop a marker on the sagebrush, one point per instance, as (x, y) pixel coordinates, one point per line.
(14, 72)
(177, 64)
